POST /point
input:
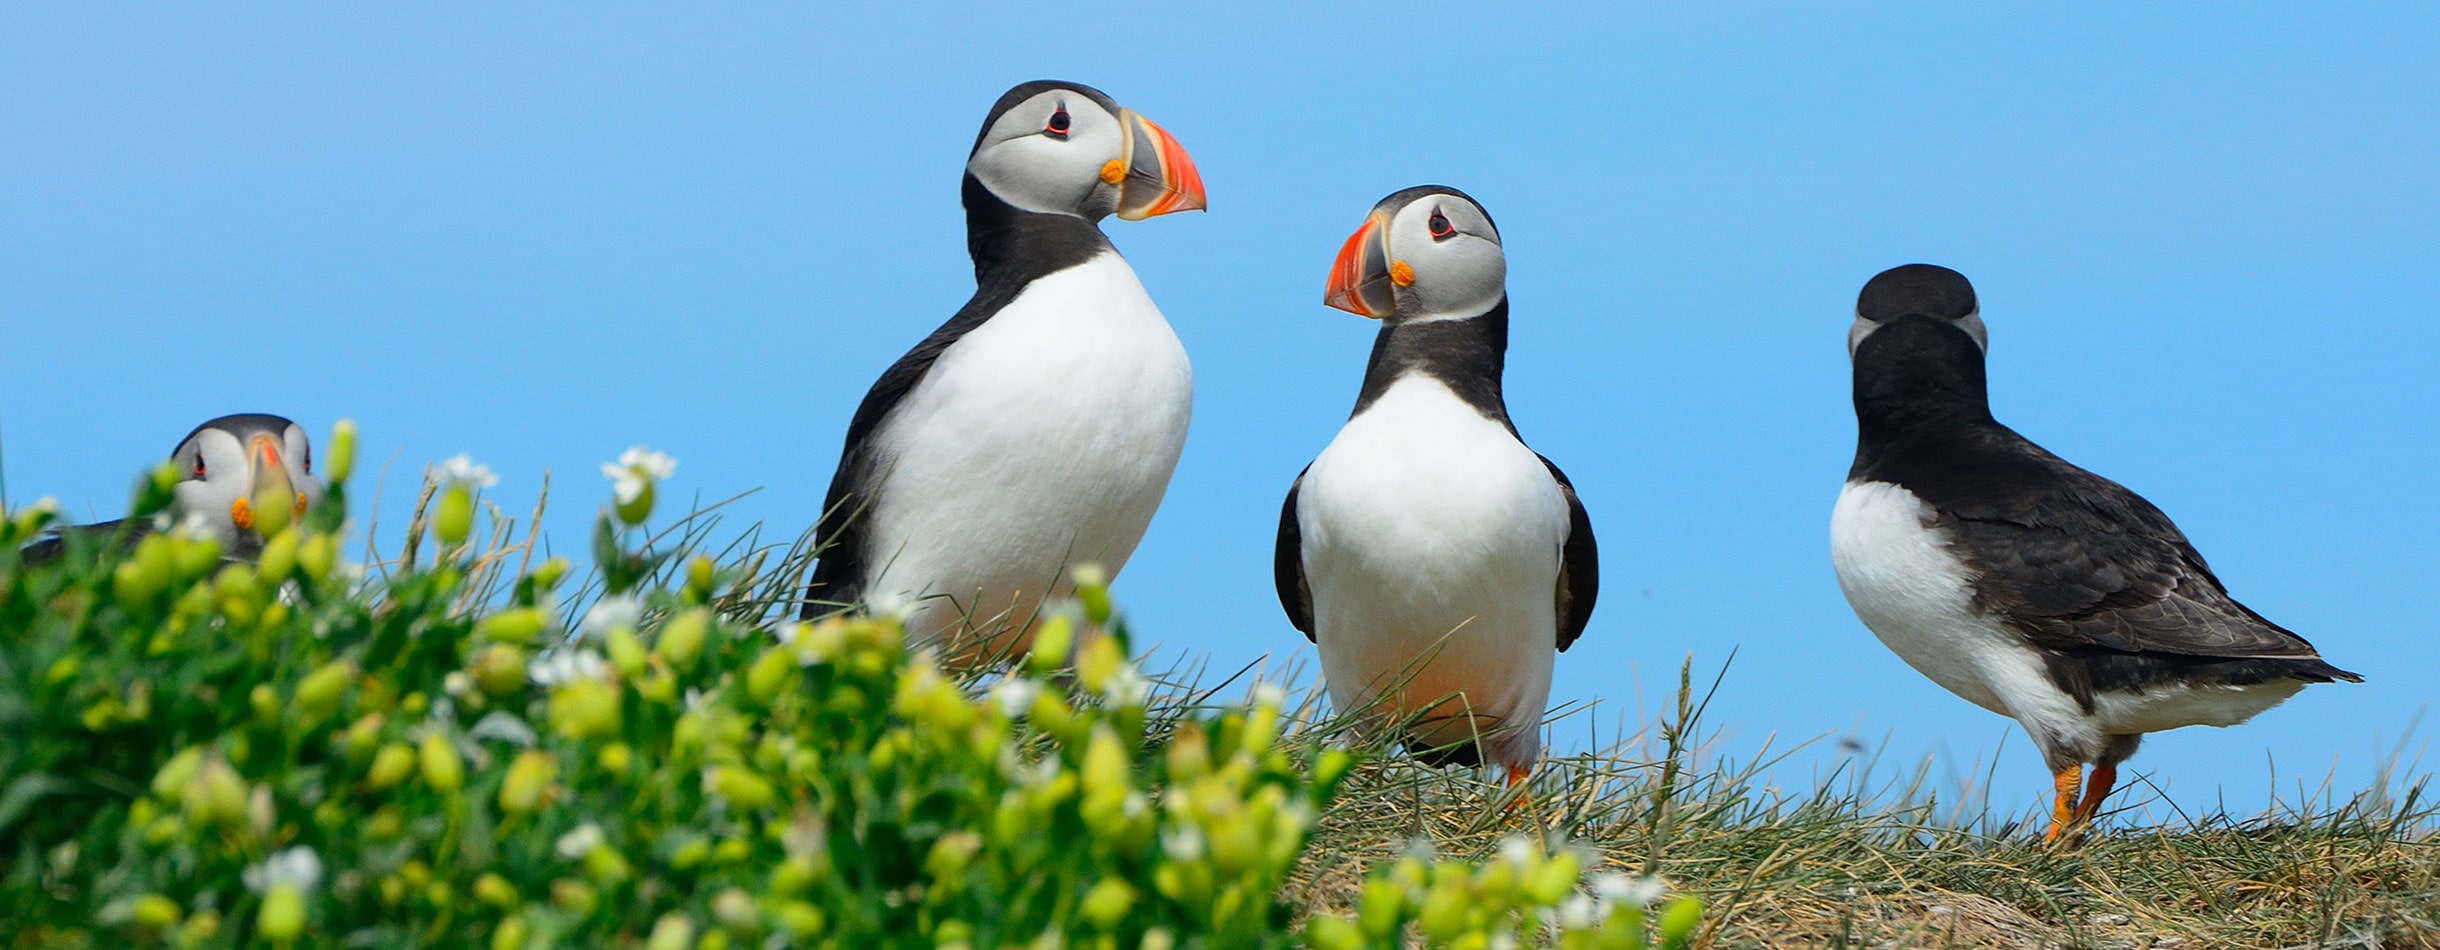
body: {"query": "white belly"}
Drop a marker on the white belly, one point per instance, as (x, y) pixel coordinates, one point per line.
(1041, 440)
(1915, 594)
(1431, 543)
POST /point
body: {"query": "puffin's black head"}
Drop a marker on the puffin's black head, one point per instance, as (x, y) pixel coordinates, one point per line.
(1428, 252)
(1065, 148)
(235, 466)
(1917, 290)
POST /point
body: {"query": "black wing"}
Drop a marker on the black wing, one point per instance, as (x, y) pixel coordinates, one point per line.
(1288, 562)
(2076, 561)
(838, 578)
(1579, 564)
(50, 547)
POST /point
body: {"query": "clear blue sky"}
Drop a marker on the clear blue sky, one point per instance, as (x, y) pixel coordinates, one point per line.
(2207, 242)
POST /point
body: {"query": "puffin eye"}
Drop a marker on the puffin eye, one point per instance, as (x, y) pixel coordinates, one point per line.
(198, 465)
(1441, 229)
(1058, 127)
(308, 457)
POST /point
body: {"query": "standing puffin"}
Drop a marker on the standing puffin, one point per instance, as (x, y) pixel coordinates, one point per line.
(1037, 429)
(230, 467)
(2026, 585)
(1433, 559)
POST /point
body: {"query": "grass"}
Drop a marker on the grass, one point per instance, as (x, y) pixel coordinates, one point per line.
(1849, 862)
(1854, 861)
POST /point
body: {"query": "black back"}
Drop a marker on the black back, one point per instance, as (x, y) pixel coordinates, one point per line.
(1011, 248)
(2088, 571)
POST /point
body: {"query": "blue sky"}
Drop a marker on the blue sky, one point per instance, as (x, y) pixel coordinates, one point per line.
(2205, 242)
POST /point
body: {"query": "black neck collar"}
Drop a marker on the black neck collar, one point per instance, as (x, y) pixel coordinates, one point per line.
(1468, 355)
(1014, 246)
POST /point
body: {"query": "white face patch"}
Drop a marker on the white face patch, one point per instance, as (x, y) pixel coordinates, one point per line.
(1971, 323)
(1455, 255)
(1032, 163)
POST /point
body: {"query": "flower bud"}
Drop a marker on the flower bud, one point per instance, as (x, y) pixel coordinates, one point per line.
(495, 890)
(1331, 933)
(528, 779)
(192, 558)
(283, 913)
(214, 795)
(454, 518)
(319, 692)
(575, 896)
(240, 598)
(681, 639)
(769, 673)
(626, 652)
(510, 934)
(550, 573)
(1107, 904)
(1378, 910)
(516, 625)
(1554, 880)
(1093, 592)
(1097, 662)
(279, 557)
(801, 919)
(635, 509)
(442, 768)
(390, 767)
(1051, 644)
(744, 790)
(584, 709)
(672, 932)
(734, 909)
(155, 912)
(317, 555)
(175, 773)
(499, 669)
(699, 579)
(1679, 920)
(615, 758)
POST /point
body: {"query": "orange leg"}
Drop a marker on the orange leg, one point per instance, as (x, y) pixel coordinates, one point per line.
(2105, 778)
(2063, 806)
(1516, 776)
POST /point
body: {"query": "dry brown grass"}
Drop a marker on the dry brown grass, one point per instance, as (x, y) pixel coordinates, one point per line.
(1854, 867)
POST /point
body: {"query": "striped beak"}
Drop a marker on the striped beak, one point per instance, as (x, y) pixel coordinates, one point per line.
(1361, 279)
(1153, 174)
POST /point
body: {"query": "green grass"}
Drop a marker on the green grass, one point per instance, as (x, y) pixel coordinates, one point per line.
(863, 800)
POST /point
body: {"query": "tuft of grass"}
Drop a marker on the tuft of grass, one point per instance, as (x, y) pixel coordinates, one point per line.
(1849, 863)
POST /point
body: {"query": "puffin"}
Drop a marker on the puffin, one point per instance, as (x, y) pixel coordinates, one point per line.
(2020, 582)
(1435, 561)
(228, 467)
(1035, 431)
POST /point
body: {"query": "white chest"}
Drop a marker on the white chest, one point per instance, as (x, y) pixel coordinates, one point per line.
(1041, 439)
(1431, 541)
(1914, 593)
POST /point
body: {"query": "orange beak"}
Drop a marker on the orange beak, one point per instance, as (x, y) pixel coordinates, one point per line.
(1360, 280)
(1154, 175)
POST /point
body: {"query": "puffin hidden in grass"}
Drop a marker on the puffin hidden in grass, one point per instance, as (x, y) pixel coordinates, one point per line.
(1036, 430)
(229, 468)
(1434, 560)
(2026, 585)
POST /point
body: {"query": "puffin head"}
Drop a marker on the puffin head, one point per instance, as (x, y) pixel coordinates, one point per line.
(1426, 253)
(238, 467)
(1065, 148)
(1917, 290)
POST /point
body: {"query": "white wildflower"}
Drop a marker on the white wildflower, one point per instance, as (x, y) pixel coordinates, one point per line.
(194, 527)
(457, 683)
(1516, 850)
(635, 469)
(1016, 696)
(576, 844)
(1127, 687)
(1615, 888)
(611, 613)
(790, 631)
(1182, 843)
(464, 473)
(299, 866)
(1504, 940)
(1576, 912)
(1269, 694)
(566, 666)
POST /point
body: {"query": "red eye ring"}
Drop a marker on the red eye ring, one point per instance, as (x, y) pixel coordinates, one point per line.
(1440, 225)
(198, 465)
(1059, 124)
